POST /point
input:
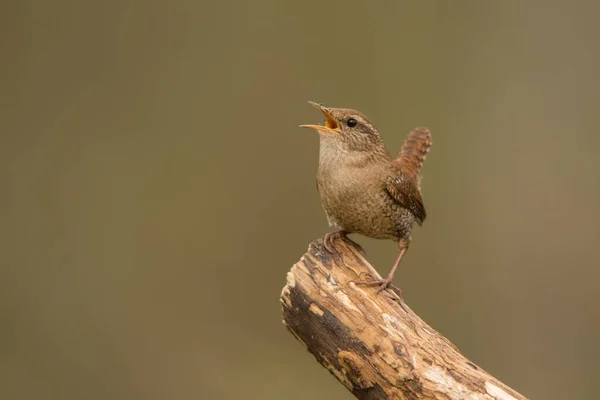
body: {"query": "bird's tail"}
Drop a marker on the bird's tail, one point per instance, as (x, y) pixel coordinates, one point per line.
(414, 150)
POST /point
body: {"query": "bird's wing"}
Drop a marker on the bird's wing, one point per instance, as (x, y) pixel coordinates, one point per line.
(403, 189)
(413, 153)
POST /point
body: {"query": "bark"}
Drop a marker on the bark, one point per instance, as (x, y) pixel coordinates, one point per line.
(374, 344)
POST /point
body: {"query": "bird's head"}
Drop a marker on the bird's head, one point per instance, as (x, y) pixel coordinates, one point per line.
(350, 127)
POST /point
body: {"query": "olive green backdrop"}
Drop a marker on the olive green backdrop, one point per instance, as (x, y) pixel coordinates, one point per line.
(156, 188)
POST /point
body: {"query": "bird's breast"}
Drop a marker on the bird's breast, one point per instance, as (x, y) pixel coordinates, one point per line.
(355, 200)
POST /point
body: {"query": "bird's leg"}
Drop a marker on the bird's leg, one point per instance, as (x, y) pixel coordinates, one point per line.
(384, 283)
(329, 237)
(341, 234)
(327, 240)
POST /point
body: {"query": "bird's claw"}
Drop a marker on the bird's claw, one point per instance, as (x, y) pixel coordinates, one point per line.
(382, 283)
(331, 236)
(328, 241)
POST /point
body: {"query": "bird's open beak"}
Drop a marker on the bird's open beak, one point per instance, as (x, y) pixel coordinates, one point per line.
(331, 125)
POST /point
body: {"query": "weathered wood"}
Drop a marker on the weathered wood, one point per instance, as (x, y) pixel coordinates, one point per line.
(374, 344)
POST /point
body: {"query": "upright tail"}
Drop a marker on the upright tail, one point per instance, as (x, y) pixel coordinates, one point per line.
(414, 150)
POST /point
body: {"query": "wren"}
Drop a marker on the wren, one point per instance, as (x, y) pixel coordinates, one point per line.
(363, 189)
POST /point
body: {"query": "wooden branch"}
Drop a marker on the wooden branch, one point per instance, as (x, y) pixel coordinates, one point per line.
(374, 344)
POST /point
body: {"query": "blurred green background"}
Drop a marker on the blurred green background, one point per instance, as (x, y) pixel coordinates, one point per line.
(156, 188)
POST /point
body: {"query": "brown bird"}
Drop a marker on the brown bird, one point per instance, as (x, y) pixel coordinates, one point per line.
(362, 188)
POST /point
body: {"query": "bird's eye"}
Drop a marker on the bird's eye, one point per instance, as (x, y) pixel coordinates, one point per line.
(351, 122)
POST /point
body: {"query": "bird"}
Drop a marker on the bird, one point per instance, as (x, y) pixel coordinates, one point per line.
(362, 188)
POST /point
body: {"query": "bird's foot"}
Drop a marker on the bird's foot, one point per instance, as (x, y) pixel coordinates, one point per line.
(331, 236)
(382, 283)
(328, 241)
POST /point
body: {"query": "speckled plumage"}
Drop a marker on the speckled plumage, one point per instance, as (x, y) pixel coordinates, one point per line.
(363, 189)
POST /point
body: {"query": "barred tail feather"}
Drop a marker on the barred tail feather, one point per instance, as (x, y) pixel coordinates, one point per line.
(414, 150)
